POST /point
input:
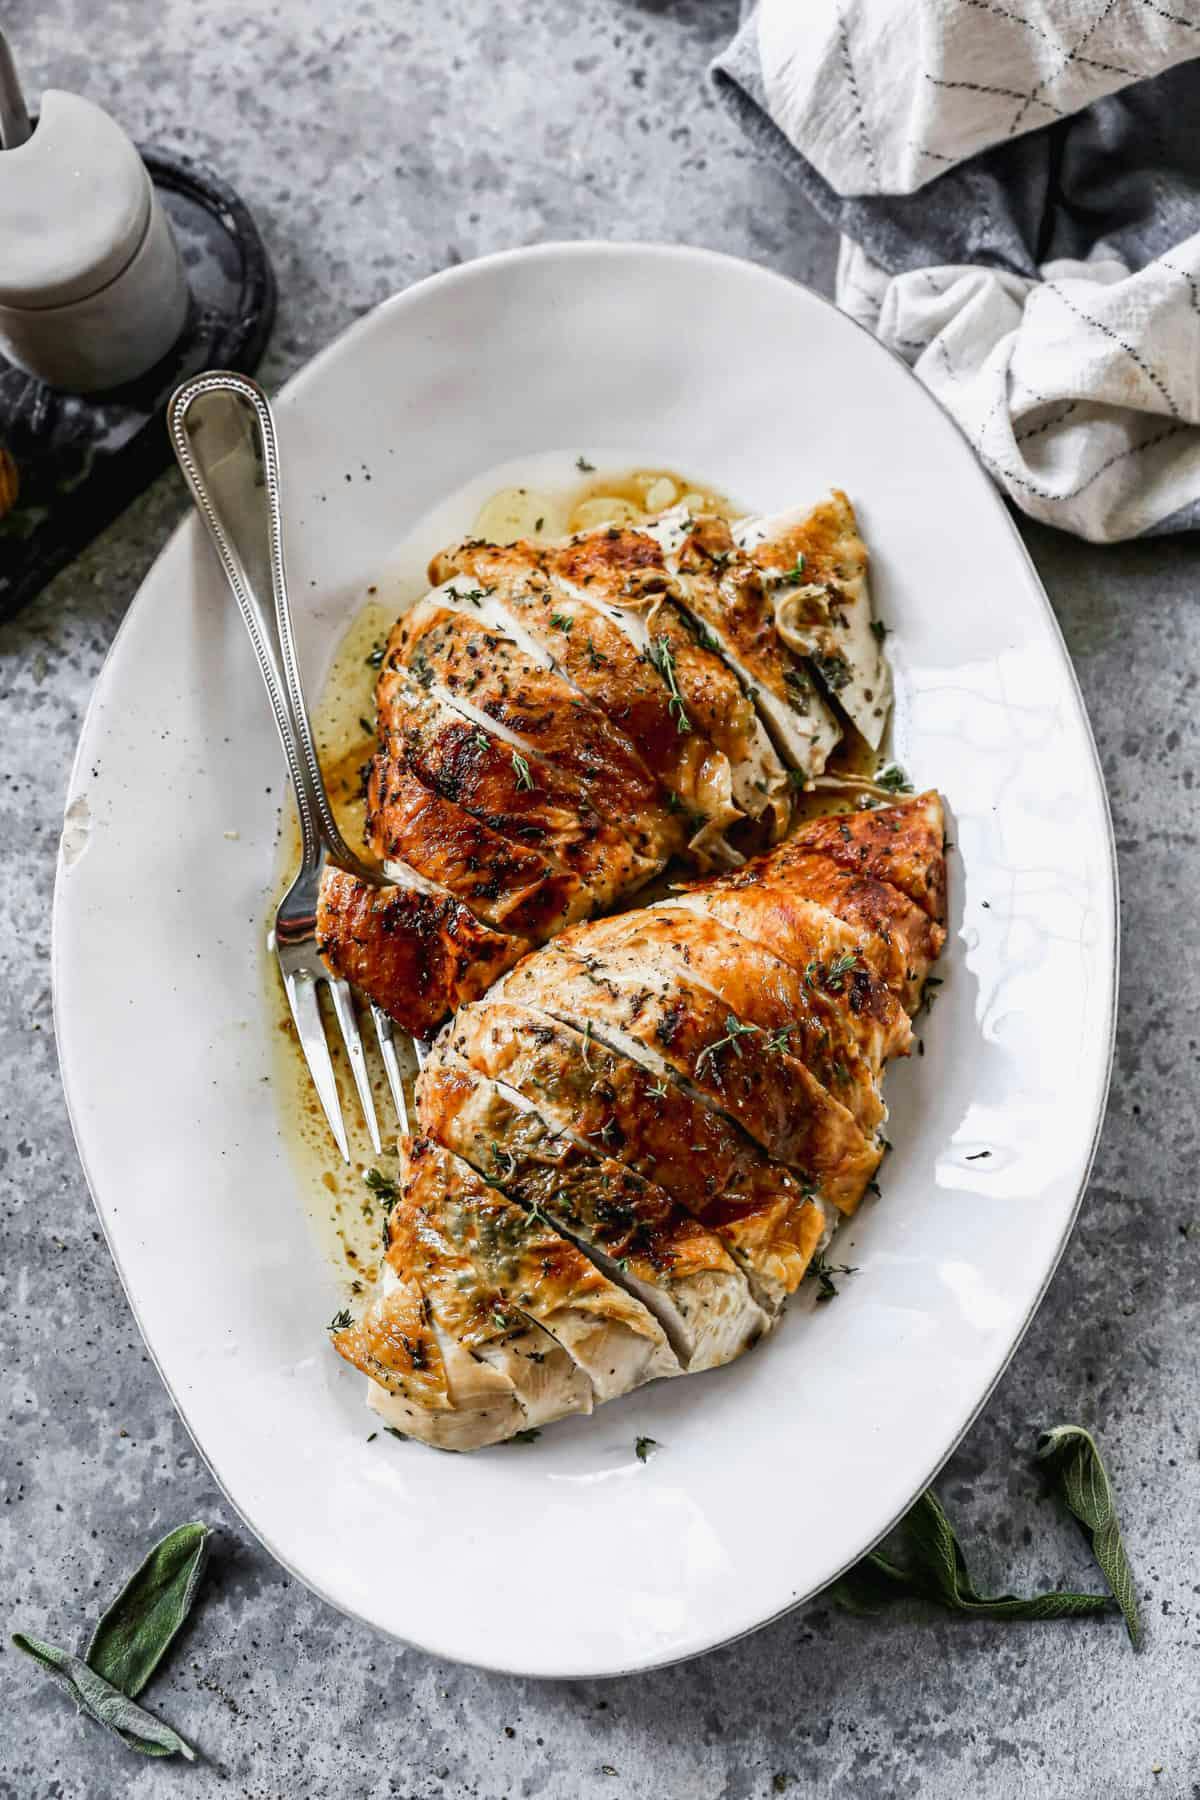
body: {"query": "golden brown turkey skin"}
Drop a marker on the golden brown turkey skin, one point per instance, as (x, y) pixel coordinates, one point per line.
(600, 606)
(694, 1153)
(477, 772)
(747, 1073)
(842, 1050)
(507, 886)
(680, 1270)
(896, 939)
(482, 666)
(417, 955)
(902, 844)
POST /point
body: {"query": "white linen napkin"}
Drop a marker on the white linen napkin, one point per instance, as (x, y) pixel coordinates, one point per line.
(1018, 189)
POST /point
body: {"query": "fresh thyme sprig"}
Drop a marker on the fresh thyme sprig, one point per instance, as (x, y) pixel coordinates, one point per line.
(519, 763)
(734, 1029)
(663, 659)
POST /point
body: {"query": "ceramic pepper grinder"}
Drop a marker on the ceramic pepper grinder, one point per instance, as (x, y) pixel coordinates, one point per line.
(92, 289)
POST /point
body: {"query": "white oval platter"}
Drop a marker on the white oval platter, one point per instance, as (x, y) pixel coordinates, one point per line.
(569, 1557)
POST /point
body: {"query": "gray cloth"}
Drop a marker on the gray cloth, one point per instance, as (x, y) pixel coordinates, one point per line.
(1117, 183)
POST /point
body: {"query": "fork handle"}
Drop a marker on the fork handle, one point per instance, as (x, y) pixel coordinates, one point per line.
(223, 434)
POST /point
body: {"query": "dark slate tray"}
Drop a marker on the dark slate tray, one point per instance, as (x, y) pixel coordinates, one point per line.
(80, 460)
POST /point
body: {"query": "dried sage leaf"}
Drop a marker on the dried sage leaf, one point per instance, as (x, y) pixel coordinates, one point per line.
(934, 1568)
(136, 1728)
(130, 1641)
(134, 1634)
(1072, 1457)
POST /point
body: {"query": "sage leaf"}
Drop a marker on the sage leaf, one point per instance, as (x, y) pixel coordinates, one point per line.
(130, 1641)
(96, 1697)
(1072, 1457)
(934, 1568)
(134, 1634)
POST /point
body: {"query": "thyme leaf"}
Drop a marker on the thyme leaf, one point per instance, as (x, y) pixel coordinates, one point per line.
(663, 659)
(519, 763)
(734, 1029)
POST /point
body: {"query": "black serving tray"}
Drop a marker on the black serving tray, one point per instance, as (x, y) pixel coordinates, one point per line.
(80, 459)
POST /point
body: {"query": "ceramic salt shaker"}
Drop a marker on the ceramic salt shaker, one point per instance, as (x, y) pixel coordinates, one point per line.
(92, 289)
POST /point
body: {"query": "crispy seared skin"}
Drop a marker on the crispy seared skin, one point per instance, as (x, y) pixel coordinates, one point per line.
(601, 606)
(679, 1269)
(504, 884)
(903, 844)
(485, 1319)
(899, 941)
(475, 770)
(477, 664)
(839, 927)
(843, 1050)
(670, 1025)
(696, 1154)
(727, 593)
(417, 955)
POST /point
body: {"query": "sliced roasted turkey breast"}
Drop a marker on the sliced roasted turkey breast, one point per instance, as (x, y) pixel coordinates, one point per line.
(682, 1032)
(761, 1210)
(487, 673)
(600, 606)
(814, 564)
(418, 953)
(680, 1270)
(485, 1320)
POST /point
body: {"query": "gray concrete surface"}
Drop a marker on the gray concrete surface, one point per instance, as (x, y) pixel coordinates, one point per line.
(378, 142)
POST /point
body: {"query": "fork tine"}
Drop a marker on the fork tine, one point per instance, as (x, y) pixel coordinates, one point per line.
(343, 1006)
(301, 991)
(387, 1049)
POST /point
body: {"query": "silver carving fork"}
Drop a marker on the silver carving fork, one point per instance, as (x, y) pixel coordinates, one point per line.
(223, 434)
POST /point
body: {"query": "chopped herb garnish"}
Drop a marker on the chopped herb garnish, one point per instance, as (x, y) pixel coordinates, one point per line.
(838, 969)
(663, 659)
(367, 727)
(879, 628)
(734, 1029)
(481, 740)
(538, 523)
(643, 1446)
(834, 671)
(584, 466)
(561, 621)
(385, 1191)
(659, 1090)
(420, 669)
(978, 1155)
(778, 1040)
(341, 1321)
(524, 778)
(823, 1272)
(376, 657)
(791, 577)
(393, 1432)
(505, 1162)
(595, 657)
(528, 1436)
(893, 780)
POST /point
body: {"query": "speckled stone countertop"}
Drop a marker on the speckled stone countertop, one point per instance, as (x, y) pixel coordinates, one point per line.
(379, 141)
